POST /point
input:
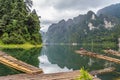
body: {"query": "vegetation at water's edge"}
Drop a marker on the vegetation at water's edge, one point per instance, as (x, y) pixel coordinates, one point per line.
(22, 46)
(84, 75)
(17, 46)
(18, 25)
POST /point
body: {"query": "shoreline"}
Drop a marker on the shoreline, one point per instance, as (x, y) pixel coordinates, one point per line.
(23, 46)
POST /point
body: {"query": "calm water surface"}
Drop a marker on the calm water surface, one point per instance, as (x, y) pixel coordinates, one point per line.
(60, 58)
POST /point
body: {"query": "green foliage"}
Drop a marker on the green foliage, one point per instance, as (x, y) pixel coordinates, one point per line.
(17, 24)
(84, 75)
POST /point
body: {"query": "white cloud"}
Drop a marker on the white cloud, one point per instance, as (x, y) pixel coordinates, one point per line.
(52, 11)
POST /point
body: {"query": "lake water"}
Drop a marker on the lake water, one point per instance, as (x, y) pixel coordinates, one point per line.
(60, 58)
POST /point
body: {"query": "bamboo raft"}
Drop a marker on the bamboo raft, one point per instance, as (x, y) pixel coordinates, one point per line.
(110, 51)
(17, 64)
(56, 76)
(95, 55)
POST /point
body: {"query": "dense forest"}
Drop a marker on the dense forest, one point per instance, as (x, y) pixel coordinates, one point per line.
(18, 24)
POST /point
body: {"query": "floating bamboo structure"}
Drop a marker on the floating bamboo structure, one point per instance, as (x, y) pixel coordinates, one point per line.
(95, 55)
(17, 64)
(110, 51)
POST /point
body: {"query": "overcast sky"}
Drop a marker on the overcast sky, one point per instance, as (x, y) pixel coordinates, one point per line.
(52, 11)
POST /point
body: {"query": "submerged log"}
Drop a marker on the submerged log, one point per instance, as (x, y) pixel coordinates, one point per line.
(102, 71)
(116, 53)
(95, 55)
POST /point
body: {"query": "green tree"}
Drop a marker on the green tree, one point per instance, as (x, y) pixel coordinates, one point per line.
(17, 24)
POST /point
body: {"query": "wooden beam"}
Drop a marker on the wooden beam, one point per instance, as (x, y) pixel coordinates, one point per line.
(110, 51)
(95, 55)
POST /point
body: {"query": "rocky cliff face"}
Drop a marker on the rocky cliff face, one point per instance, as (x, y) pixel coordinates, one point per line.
(84, 28)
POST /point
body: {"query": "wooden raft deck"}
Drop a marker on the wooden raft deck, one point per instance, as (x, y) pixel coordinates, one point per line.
(17, 64)
(54, 76)
(95, 55)
(72, 75)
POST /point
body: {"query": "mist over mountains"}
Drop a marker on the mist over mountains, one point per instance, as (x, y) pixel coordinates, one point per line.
(102, 27)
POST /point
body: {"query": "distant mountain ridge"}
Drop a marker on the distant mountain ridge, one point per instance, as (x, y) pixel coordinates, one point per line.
(100, 28)
(112, 10)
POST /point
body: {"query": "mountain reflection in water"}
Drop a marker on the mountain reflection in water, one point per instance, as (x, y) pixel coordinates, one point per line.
(48, 67)
(62, 58)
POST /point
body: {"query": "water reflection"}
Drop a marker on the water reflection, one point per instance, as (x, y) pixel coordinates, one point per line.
(65, 57)
(48, 67)
(62, 58)
(59, 58)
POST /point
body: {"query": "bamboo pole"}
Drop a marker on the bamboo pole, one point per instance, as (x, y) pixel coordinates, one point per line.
(95, 55)
(103, 71)
(116, 53)
(17, 64)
